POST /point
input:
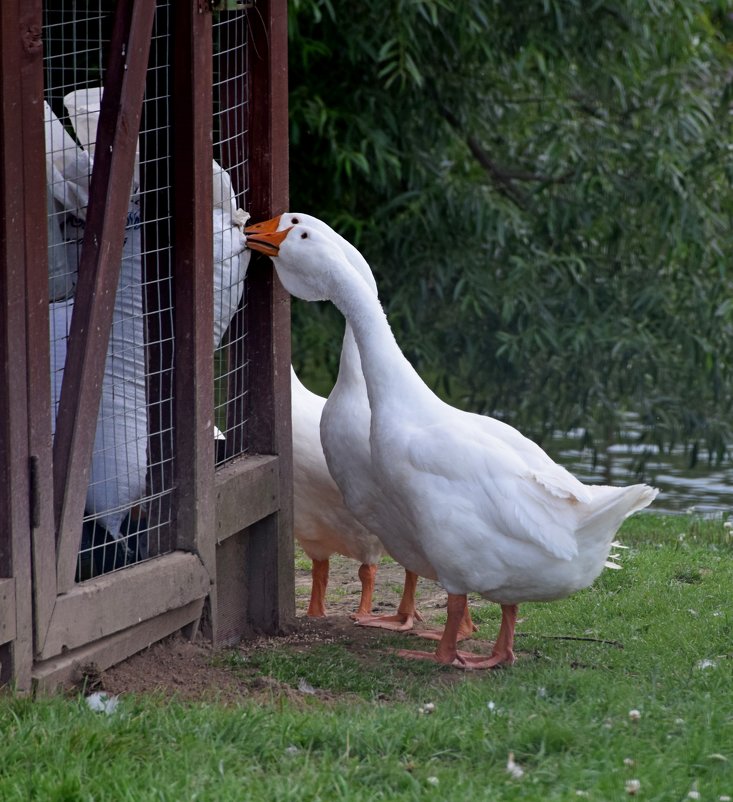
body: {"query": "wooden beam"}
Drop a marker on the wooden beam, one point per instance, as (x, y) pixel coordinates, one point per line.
(103, 606)
(99, 268)
(20, 49)
(34, 188)
(191, 126)
(271, 604)
(68, 669)
(8, 629)
(247, 490)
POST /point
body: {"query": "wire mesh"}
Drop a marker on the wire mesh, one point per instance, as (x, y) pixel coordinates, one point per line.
(128, 508)
(231, 187)
(125, 519)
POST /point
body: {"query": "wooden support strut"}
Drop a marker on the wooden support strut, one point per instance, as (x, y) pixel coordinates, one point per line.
(20, 55)
(193, 286)
(270, 542)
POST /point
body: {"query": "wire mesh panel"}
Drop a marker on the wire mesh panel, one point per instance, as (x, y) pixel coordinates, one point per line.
(231, 187)
(129, 500)
(127, 511)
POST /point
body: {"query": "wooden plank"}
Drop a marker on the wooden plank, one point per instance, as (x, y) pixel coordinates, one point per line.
(271, 603)
(38, 347)
(113, 602)
(233, 616)
(20, 47)
(7, 610)
(99, 267)
(247, 490)
(68, 669)
(193, 281)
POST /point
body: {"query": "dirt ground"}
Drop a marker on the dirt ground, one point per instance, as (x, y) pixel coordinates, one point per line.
(189, 671)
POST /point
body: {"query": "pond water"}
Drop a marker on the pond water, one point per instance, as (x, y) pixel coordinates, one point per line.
(704, 489)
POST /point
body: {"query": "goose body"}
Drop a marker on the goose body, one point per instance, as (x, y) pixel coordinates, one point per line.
(464, 499)
(331, 437)
(323, 524)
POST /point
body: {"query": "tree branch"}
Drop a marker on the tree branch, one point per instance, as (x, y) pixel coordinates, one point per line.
(501, 177)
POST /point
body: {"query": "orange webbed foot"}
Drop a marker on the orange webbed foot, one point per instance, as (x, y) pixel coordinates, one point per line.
(401, 622)
(466, 661)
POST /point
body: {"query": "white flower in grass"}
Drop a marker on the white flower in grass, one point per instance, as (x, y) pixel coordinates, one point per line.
(634, 715)
(693, 794)
(101, 702)
(629, 762)
(633, 787)
(427, 708)
(432, 781)
(724, 798)
(513, 768)
(706, 663)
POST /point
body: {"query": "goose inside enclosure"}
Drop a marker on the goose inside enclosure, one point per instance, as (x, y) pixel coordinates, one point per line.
(114, 531)
(145, 444)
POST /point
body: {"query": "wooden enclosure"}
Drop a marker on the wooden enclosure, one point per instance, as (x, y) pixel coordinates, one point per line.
(192, 523)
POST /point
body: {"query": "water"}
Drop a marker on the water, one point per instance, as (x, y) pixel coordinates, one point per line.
(705, 489)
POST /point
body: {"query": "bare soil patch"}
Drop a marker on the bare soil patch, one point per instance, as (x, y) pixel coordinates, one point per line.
(178, 668)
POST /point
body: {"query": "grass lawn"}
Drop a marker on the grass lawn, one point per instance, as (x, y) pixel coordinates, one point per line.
(658, 640)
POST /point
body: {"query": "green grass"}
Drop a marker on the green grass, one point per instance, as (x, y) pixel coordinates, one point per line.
(563, 709)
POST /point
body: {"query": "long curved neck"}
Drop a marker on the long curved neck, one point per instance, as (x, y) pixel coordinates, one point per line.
(350, 363)
(385, 369)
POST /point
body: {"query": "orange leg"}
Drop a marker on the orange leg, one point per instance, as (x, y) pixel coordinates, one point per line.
(406, 615)
(319, 574)
(367, 573)
(503, 651)
(447, 652)
(465, 630)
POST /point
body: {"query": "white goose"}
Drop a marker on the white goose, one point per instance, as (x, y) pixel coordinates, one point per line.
(464, 498)
(344, 434)
(323, 524)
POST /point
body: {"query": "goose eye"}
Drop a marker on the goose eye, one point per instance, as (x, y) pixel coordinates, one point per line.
(304, 235)
(295, 221)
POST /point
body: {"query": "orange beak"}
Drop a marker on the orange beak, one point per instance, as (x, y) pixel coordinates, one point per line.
(267, 243)
(264, 228)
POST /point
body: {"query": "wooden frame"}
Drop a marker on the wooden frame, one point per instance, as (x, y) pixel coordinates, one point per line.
(232, 528)
(22, 241)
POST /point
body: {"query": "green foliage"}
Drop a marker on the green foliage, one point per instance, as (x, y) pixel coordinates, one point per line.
(544, 192)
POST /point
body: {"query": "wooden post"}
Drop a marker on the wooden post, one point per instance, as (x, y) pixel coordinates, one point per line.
(34, 188)
(191, 124)
(20, 50)
(269, 553)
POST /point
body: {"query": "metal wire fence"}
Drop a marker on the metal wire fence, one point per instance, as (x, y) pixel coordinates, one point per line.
(128, 506)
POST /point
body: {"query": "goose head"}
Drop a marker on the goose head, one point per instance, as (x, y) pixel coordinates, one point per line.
(288, 219)
(285, 220)
(307, 261)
